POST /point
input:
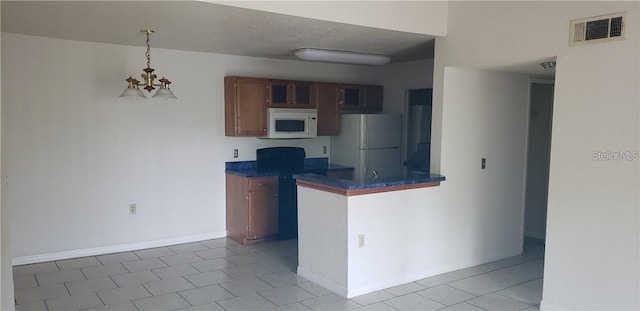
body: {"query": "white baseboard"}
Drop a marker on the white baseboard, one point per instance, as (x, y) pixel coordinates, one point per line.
(380, 284)
(355, 291)
(23, 260)
(545, 306)
(322, 281)
(352, 291)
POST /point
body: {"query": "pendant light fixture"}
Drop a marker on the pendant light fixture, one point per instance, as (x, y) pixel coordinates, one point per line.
(133, 91)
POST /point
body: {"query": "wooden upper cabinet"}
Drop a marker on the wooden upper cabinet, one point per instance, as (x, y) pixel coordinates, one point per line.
(247, 100)
(291, 94)
(303, 95)
(245, 106)
(372, 100)
(279, 94)
(361, 98)
(351, 97)
(328, 103)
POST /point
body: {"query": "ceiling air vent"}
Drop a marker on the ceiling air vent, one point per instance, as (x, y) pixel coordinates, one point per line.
(598, 29)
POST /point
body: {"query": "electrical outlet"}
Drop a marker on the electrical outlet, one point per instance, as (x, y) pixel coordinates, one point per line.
(132, 208)
(360, 240)
(235, 153)
(324, 149)
(484, 163)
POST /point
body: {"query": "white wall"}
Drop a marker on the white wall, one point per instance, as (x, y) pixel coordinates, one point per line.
(322, 238)
(76, 155)
(484, 116)
(473, 217)
(593, 220)
(6, 272)
(397, 79)
(593, 247)
(425, 17)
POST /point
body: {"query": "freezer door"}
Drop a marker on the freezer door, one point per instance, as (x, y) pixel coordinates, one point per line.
(385, 162)
(381, 131)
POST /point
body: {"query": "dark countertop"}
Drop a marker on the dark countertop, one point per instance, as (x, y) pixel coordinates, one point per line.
(370, 183)
(252, 172)
(311, 165)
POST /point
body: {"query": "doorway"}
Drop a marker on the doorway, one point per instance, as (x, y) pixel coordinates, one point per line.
(538, 154)
(418, 116)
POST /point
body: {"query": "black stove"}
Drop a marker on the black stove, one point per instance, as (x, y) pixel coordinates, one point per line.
(287, 161)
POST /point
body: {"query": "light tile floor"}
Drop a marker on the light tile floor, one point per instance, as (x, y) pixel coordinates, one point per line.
(223, 275)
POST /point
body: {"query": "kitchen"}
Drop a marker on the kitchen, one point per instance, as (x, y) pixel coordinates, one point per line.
(365, 145)
(167, 157)
(141, 142)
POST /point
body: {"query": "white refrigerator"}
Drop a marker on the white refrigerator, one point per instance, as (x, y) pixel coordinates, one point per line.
(370, 143)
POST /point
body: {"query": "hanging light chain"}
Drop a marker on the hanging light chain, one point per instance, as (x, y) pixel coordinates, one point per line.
(148, 53)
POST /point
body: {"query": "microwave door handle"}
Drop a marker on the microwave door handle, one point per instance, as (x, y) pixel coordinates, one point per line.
(308, 126)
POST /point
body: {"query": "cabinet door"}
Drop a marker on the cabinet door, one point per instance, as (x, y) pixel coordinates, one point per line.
(351, 97)
(303, 96)
(327, 101)
(279, 94)
(263, 214)
(372, 98)
(236, 207)
(251, 99)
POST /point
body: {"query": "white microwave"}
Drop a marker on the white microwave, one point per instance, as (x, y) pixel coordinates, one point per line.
(292, 123)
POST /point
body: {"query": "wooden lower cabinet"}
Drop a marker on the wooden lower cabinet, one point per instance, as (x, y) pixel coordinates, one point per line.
(252, 208)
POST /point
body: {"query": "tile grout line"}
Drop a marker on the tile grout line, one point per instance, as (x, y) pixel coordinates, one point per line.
(496, 293)
(271, 261)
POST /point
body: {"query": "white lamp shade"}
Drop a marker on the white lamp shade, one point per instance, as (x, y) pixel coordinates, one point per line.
(342, 57)
(164, 93)
(132, 93)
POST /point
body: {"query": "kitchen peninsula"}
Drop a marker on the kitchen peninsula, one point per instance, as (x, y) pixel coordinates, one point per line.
(360, 236)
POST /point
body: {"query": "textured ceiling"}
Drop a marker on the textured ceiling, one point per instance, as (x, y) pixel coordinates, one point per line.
(204, 27)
